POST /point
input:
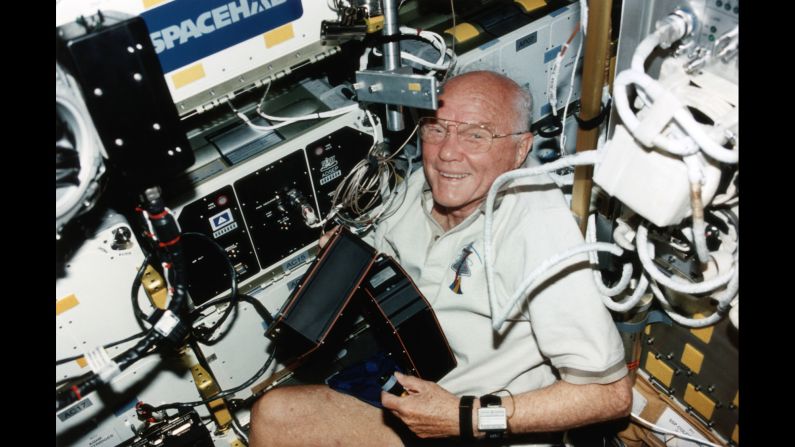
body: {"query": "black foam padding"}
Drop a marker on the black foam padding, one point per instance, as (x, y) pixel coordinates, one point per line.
(324, 292)
(407, 325)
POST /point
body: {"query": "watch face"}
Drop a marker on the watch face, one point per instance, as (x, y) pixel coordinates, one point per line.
(492, 418)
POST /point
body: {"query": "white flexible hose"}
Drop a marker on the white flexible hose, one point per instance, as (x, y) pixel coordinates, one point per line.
(623, 282)
(568, 99)
(681, 115)
(725, 297)
(684, 321)
(626, 270)
(620, 236)
(631, 121)
(312, 116)
(631, 301)
(410, 57)
(579, 159)
(584, 17)
(626, 275)
(544, 271)
(642, 52)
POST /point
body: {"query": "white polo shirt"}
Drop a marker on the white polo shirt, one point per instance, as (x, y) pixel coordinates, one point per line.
(562, 328)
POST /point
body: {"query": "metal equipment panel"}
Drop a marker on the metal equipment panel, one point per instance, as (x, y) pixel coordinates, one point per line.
(276, 227)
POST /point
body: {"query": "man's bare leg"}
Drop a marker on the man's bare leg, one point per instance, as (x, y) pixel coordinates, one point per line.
(318, 416)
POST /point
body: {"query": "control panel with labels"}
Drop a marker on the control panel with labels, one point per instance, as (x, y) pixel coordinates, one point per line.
(261, 211)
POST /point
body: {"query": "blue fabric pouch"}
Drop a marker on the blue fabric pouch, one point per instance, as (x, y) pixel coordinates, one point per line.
(361, 380)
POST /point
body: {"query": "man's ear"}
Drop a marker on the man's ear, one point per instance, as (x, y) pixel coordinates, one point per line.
(523, 148)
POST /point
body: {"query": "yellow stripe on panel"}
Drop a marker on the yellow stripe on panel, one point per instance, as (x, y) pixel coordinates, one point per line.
(65, 304)
(529, 6)
(279, 35)
(704, 333)
(188, 75)
(692, 358)
(699, 401)
(659, 370)
(462, 32)
(150, 3)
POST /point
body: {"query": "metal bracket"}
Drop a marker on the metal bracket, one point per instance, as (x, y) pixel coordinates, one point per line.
(208, 388)
(398, 88)
(155, 287)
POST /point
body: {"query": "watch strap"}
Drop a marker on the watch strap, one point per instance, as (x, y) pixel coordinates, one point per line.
(465, 417)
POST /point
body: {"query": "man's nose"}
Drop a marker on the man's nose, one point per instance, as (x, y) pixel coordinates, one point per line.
(449, 147)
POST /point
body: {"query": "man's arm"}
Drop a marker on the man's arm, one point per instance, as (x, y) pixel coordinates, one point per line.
(563, 405)
(430, 411)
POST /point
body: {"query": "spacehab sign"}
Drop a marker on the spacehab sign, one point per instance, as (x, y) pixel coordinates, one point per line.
(184, 31)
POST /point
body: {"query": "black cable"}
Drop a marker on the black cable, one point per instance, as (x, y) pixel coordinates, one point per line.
(225, 255)
(140, 316)
(109, 345)
(258, 306)
(596, 121)
(203, 362)
(549, 127)
(239, 429)
(166, 231)
(266, 316)
(222, 394)
(75, 378)
(729, 215)
(233, 295)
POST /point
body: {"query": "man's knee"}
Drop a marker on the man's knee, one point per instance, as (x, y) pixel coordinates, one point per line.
(272, 408)
(270, 417)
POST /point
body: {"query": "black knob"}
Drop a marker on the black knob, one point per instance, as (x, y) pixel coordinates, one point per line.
(121, 238)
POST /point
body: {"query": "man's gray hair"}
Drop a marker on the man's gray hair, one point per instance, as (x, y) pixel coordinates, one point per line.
(523, 107)
(523, 100)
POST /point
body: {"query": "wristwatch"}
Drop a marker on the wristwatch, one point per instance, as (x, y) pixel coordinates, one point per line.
(492, 417)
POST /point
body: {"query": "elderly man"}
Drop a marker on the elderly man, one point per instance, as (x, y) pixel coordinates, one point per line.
(559, 356)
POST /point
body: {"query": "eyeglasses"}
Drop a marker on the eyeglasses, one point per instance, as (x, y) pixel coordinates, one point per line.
(473, 137)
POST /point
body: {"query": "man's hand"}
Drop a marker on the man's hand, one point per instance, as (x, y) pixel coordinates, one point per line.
(428, 410)
(326, 236)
